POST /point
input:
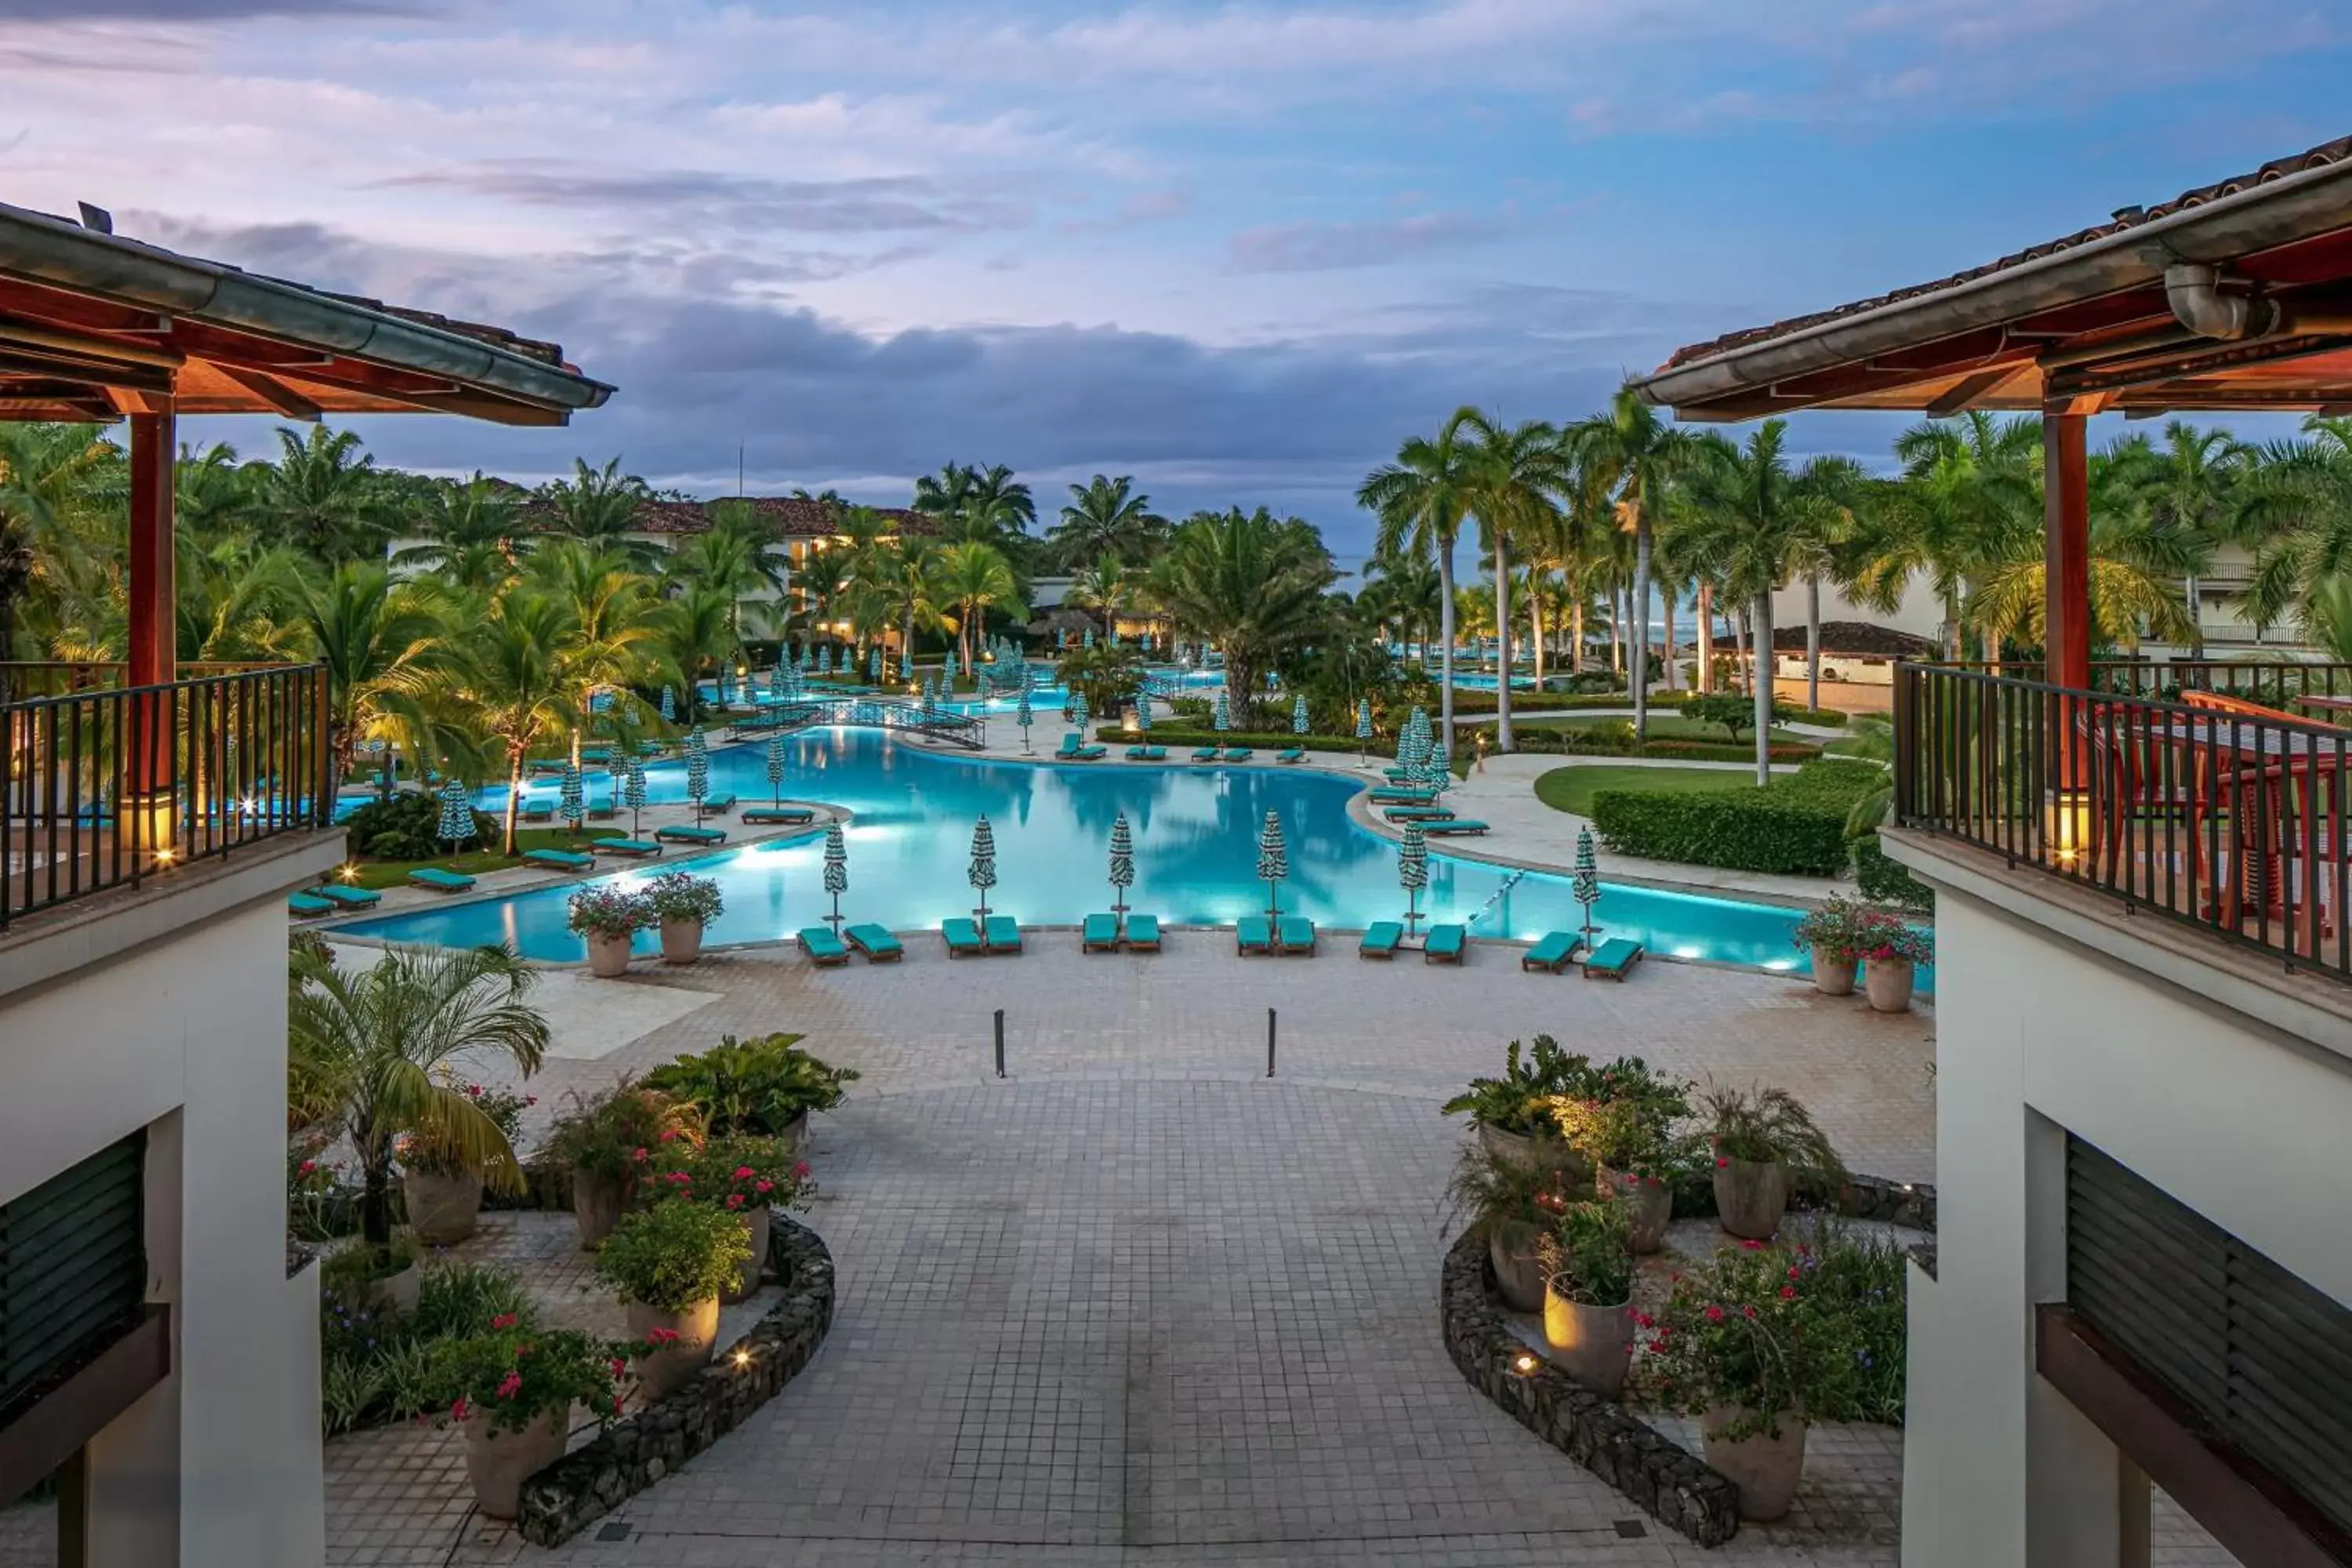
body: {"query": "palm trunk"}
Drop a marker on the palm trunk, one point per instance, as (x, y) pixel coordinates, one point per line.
(1641, 627)
(1812, 639)
(1763, 688)
(1502, 644)
(375, 1198)
(1616, 631)
(1705, 638)
(1446, 642)
(1746, 622)
(1575, 632)
(514, 797)
(1535, 626)
(1673, 663)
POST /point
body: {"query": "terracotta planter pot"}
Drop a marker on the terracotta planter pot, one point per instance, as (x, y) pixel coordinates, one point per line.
(1833, 976)
(1593, 1345)
(747, 1284)
(1518, 1272)
(596, 1205)
(673, 1366)
(1887, 982)
(1649, 1207)
(1767, 1468)
(1750, 1196)
(1550, 1153)
(397, 1291)
(442, 1209)
(497, 1463)
(608, 956)
(681, 940)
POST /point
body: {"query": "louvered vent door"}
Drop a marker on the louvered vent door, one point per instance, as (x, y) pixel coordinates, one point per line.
(73, 1266)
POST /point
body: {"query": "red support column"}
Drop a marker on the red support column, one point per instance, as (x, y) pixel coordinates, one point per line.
(2066, 550)
(147, 819)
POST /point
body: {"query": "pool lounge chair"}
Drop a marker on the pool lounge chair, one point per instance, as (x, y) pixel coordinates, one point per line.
(1423, 814)
(1452, 824)
(1401, 796)
(1142, 933)
(875, 942)
(1072, 744)
(778, 816)
(440, 881)
(1205, 754)
(308, 905)
(1147, 753)
(1002, 933)
(962, 938)
(1445, 945)
(1612, 958)
(677, 832)
(1397, 775)
(538, 811)
(717, 806)
(1253, 933)
(1239, 755)
(348, 896)
(1298, 935)
(561, 860)
(1381, 938)
(636, 848)
(1294, 754)
(1552, 953)
(1099, 934)
(824, 948)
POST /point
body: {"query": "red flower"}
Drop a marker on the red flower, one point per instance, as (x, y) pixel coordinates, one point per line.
(474, 1091)
(1749, 1310)
(1715, 1314)
(641, 1156)
(1643, 1320)
(1720, 1161)
(1753, 1246)
(743, 1173)
(660, 1336)
(679, 1178)
(511, 1386)
(619, 1367)
(531, 1099)
(503, 1321)
(457, 1411)
(734, 1200)
(669, 1135)
(765, 1185)
(801, 1171)
(1788, 1292)
(1794, 1271)
(306, 1167)
(616, 1405)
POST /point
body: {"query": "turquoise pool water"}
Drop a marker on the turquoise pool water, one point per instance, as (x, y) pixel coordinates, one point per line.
(1195, 858)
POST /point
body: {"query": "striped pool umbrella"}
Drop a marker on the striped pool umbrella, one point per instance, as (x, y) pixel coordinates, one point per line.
(873, 665)
(983, 871)
(1089, 641)
(1364, 727)
(571, 803)
(776, 767)
(1272, 862)
(1412, 872)
(456, 824)
(1223, 717)
(632, 792)
(668, 706)
(1025, 716)
(825, 662)
(1071, 712)
(1122, 863)
(1439, 771)
(698, 769)
(837, 871)
(1298, 715)
(1061, 637)
(954, 669)
(726, 686)
(1143, 711)
(907, 662)
(1585, 881)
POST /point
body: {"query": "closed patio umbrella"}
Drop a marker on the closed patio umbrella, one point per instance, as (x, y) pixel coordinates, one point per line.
(873, 665)
(1412, 872)
(1272, 862)
(776, 767)
(1364, 729)
(1025, 716)
(983, 871)
(726, 686)
(954, 669)
(1585, 881)
(632, 792)
(571, 803)
(1122, 863)
(1143, 711)
(698, 769)
(1298, 714)
(668, 706)
(1221, 717)
(837, 871)
(825, 662)
(456, 825)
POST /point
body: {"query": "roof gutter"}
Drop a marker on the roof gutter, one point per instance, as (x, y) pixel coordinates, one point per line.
(2296, 206)
(45, 250)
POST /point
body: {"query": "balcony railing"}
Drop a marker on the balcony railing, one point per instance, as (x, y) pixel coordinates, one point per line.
(102, 786)
(2196, 791)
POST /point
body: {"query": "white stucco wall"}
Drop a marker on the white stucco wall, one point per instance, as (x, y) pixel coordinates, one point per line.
(2035, 1037)
(187, 1038)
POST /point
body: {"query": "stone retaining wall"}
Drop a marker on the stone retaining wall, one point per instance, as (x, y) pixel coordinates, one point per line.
(645, 1446)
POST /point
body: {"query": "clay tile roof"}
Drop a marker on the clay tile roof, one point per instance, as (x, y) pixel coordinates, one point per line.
(1855, 639)
(2319, 157)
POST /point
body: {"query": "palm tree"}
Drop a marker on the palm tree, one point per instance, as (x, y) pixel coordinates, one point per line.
(1252, 585)
(381, 644)
(1634, 456)
(2192, 483)
(1970, 493)
(598, 506)
(470, 529)
(1833, 487)
(512, 674)
(1512, 477)
(2136, 556)
(694, 629)
(1419, 500)
(1107, 518)
(362, 1047)
(232, 600)
(324, 490)
(1401, 590)
(975, 578)
(213, 496)
(2299, 504)
(611, 606)
(986, 507)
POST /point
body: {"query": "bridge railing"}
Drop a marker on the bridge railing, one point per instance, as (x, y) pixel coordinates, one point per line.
(869, 712)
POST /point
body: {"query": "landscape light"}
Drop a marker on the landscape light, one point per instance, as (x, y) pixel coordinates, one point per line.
(1523, 1364)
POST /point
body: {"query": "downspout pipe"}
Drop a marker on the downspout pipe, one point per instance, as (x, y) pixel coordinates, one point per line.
(2193, 289)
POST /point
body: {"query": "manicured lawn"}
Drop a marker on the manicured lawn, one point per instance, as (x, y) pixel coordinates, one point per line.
(1674, 727)
(394, 873)
(1572, 789)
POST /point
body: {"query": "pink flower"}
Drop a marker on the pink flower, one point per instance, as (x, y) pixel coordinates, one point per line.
(669, 1135)
(1795, 1272)
(1720, 1161)
(457, 1411)
(1788, 1292)
(1749, 1310)
(743, 1173)
(616, 1405)
(1753, 1246)
(474, 1092)
(679, 1178)
(641, 1156)
(619, 1367)
(764, 1185)
(511, 1386)
(1715, 1314)
(660, 1336)
(306, 1167)
(734, 1200)
(531, 1099)
(801, 1171)
(503, 1321)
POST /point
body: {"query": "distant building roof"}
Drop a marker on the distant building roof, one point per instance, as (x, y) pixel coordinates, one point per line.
(1855, 639)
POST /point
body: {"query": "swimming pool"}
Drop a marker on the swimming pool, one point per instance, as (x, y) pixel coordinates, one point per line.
(1195, 833)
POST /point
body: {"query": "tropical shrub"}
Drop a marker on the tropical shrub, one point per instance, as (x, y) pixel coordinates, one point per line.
(1486, 1193)
(1594, 1248)
(1520, 1100)
(612, 1135)
(1734, 711)
(406, 828)
(425, 1154)
(758, 1086)
(1746, 1329)
(514, 1372)
(738, 1173)
(683, 896)
(1793, 825)
(375, 1366)
(1863, 1280)
(609, 911)
(1762, 1125)
(1885, 881)
(674, 1254)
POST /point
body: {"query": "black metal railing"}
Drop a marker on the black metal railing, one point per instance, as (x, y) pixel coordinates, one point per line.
(911, 718)
(103, 785)
(2214, 810)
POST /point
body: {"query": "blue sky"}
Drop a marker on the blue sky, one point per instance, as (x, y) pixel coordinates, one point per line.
(1238, 250)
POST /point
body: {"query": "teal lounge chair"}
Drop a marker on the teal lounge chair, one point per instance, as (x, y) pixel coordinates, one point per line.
(1072, 743)
(962, 938)
(1423, 814)
(717, 806)
(1253, 933)
(440, 881)
(1402, 797)
(1297, 934)
(1143, 933)
(1239, 755)
(1454, 824)
(778, 816)
(561, 860)
(546, 765)
(875, 942)
(1091, 753)
(1381, 938)
(308, 905)
(678, 834)
(824, 948)
(1614, 958)
(538, 811)
(1397, 775)
(1205, 754)
(348, 896)
(1295, 755)
(595, 754)
(636, 848)
(1552, 953)
(1155, 753)
(651, 748)
(1002, 933)
(1135, 754)
(1445, 945)
(1099, 934)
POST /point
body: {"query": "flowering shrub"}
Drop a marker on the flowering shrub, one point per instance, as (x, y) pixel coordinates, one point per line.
(1747, 1328)
(672, 1256)
(683, 896)
(608, 912)
(376, 1365)
(514, 1372)
(736, 1173)
(1833, 930)
(315, 1205)
(1886, 935)
(607, 1135)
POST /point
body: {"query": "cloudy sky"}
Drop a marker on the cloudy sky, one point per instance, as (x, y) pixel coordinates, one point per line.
(1238, 250)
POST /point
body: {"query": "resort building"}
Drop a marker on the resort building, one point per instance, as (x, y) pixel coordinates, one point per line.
(158, 1349)
(2144, 1031)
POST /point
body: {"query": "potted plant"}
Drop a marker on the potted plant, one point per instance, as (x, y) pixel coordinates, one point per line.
(762, 1087)
(683, 904)
(1833, 931)
(512, 1389)
(749, 1178)
(1746, 1346)
(669, 1264)
(1765, 1142)
(1627, 1127)
(1588, 1297)
(608, 918)
(1514, 1112)
(606, 1141)
(375, 1278)
(1892, 948)
(1512, 1204)
(442, 1189)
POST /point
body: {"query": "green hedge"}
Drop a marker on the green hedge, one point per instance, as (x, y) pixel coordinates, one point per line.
(1172, 737)
(1887, 880)
(1619, 742)
(1793, 825)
